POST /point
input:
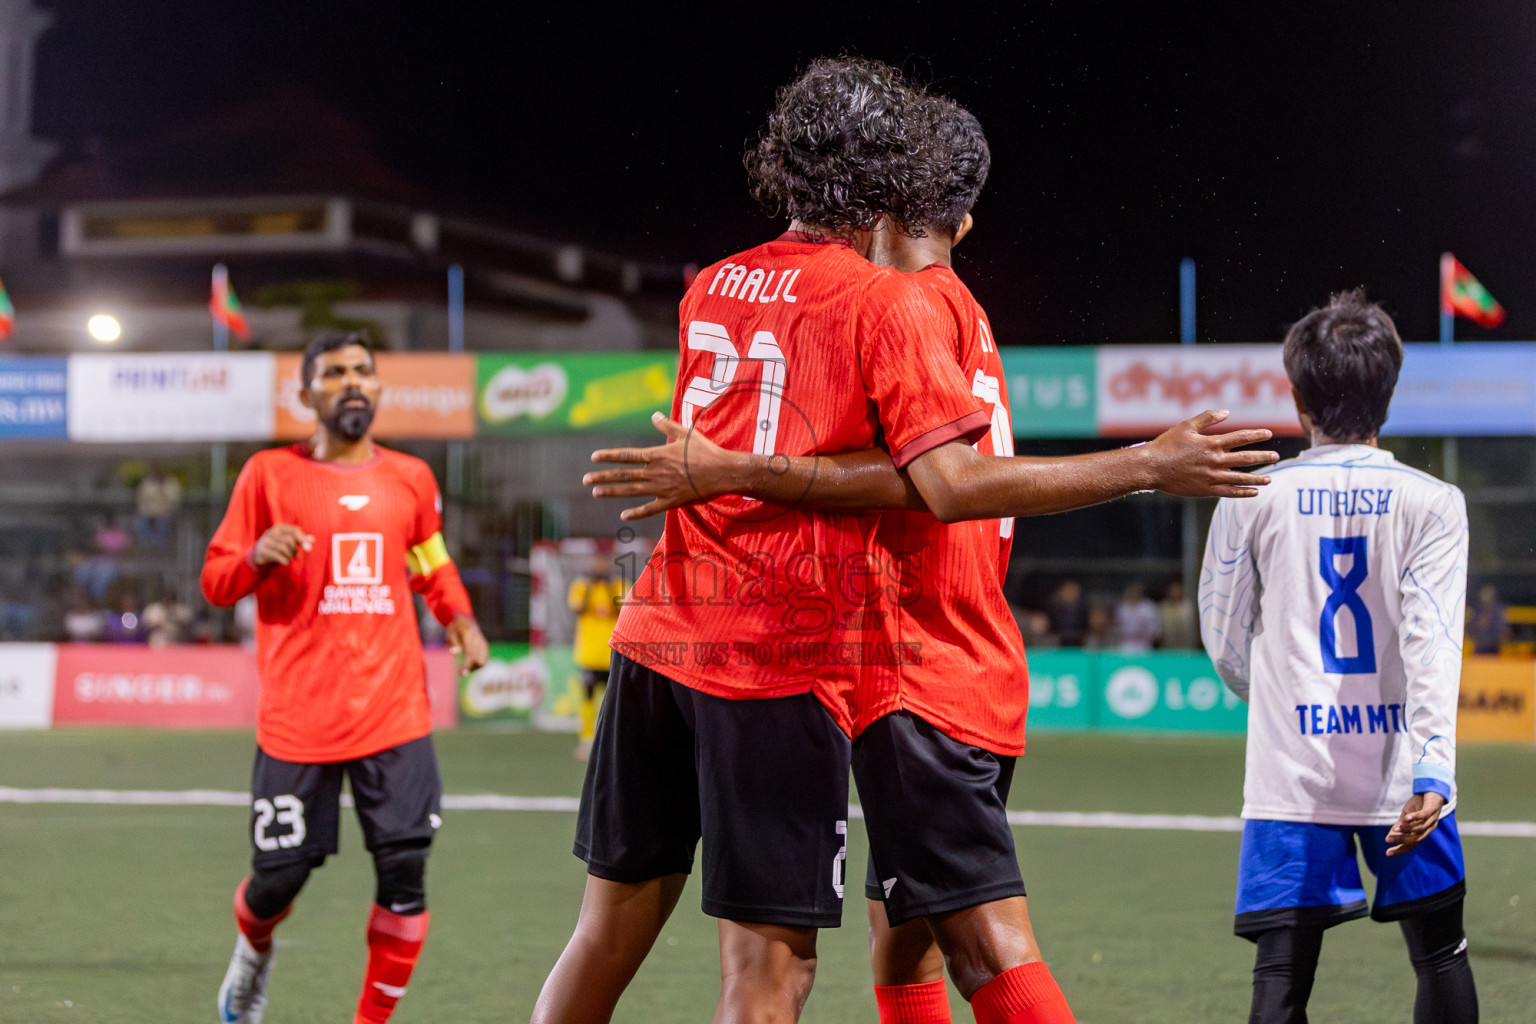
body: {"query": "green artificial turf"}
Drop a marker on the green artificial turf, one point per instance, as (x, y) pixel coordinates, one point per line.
(118, 914)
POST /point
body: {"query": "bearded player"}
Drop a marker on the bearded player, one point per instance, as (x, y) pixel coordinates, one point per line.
(937, 739)
(331, 535)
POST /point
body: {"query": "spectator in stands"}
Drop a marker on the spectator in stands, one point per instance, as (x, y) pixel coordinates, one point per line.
(159, 499)
(124, 625)
(167, 620)
(1136, 620)
(1176, 617)
(1068, 612)
(1100, 631)
(1486, 625)
(93, 574)
(84, 621)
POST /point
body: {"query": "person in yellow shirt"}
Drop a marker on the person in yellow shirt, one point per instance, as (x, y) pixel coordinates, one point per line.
(595, 600)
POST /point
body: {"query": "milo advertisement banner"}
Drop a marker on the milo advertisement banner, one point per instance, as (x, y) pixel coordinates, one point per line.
(523, 686)
(507, 690)
(539, 393)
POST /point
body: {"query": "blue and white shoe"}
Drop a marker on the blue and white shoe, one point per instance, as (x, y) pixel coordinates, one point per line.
(243, 995)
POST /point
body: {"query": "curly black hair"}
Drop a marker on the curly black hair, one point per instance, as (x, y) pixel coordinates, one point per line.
(957, 156)
(1343, 360)
(844, 146)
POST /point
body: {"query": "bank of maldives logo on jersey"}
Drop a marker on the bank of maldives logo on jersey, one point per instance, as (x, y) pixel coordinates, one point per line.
(357, 577)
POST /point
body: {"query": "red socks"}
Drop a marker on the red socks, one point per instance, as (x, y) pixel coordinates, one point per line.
(394, 943)
(926, 1003)
(257, 931)
(1027, 994)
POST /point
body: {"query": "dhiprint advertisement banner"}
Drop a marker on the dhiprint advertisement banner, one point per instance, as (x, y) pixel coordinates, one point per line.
(1052, 392)
(33, 398)
(1145, 389)
(534, 393)
(428, 396)
(26, 685)
(209, 396)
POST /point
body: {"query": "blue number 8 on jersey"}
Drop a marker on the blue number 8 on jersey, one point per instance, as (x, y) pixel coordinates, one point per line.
(1344, 592)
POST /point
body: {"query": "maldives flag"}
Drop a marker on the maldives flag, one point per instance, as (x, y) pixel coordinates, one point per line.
(1463, 295)
(225, 307)
(7, 312)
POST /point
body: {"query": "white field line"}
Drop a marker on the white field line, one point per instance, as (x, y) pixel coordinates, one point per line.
(568, 805)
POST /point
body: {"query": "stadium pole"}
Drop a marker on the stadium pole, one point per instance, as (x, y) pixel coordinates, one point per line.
(217, 462)
(1450, 451)
(1190, 534)
(455, 472)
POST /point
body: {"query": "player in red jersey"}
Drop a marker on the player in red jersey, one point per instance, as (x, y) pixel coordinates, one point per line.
(332, 535)
(936, 739)
(711, 725)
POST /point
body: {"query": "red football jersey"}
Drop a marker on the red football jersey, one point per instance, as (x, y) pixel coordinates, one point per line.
(798, 348)
(968, 677)
(336, 636)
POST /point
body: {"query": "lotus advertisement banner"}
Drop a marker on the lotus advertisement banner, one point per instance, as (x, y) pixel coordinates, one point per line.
(1166, 692)
(427, 396)
(535, 393)
(33, 399)
(1061, 694)
(184, 396)
(1052, 392)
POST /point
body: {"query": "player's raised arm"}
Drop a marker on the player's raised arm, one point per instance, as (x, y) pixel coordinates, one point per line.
(953, 480)
(237, 559)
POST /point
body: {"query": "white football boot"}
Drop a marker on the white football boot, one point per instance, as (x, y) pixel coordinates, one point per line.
(243, 995)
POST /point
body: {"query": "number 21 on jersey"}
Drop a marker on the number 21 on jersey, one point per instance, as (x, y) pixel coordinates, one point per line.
(702, 391)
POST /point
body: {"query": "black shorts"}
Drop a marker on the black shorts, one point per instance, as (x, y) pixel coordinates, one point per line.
(765, 782)
(936, 812)
(296, 808)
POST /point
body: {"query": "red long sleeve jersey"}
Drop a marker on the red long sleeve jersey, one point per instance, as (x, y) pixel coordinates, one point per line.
(336, 635)
(971, 680)
(796, 348)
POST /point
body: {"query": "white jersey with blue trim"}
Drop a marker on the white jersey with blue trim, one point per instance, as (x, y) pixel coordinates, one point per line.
(1332, 603)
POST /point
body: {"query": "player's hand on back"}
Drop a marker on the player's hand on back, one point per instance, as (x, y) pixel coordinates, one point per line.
(1420, 816)
(467, 643)
(281, 544)
(688, 468)
(1194, 464)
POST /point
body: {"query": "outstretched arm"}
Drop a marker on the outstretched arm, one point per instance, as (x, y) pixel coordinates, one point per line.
(953, 480)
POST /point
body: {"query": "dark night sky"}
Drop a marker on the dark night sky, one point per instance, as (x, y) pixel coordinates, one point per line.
(1290, 153)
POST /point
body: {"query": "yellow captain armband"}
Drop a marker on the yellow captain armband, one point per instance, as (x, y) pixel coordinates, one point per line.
(427, 557)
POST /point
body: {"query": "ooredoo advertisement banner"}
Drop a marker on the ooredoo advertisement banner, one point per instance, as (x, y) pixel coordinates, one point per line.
(183, 396)
(190, 687)
(1145, 389)
(425, 395)
(26, 685)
